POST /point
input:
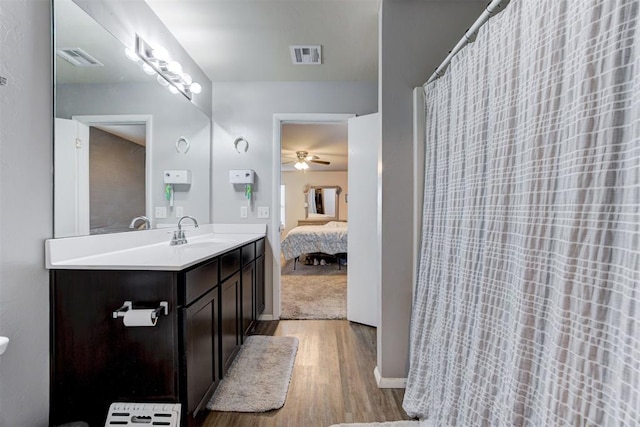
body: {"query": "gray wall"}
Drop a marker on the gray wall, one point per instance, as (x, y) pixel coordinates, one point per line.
(117, 182)
(295, 197)
(407, 58)
(25, 210)
(173, 117)
(247, 109)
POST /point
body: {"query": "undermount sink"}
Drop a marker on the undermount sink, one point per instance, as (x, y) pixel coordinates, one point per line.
(206, 243)
(4, 342)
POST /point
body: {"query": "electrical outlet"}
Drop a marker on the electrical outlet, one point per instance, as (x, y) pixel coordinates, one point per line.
(244, 212)
(179, 211)
(263, 212)
(161, 212)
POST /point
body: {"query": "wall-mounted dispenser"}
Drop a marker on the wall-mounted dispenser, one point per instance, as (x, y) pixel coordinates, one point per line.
(246, 177)
(177, 177)
(176, 180)
(241, 176)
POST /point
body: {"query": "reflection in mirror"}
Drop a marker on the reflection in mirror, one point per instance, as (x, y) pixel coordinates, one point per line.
(321, 202)
(116, 131)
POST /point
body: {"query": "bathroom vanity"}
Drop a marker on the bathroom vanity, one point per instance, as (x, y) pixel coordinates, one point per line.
(213, 288)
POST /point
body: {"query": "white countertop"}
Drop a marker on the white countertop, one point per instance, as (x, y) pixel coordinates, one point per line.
(148, 249)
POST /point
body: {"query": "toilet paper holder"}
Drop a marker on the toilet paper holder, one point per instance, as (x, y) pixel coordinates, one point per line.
(128, 305)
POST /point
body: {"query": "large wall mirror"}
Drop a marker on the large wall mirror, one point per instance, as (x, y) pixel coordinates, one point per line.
(117, 130)
(321, 203)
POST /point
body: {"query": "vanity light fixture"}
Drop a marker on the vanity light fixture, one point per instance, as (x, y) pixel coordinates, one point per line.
(170, 73)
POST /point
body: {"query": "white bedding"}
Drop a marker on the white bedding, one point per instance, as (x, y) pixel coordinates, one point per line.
(330, 238)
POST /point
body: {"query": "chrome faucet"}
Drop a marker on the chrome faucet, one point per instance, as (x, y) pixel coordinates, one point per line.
(178, 235)
(147, 223)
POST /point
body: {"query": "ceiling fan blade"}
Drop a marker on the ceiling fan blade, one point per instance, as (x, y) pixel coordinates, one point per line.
(311, 157)
(289, 162)
(322, 162)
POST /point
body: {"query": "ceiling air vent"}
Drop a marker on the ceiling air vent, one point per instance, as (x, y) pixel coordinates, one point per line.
(78, 57)
(306, 55)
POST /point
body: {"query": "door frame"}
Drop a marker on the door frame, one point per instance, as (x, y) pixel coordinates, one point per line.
(278, 120)
(131, 119)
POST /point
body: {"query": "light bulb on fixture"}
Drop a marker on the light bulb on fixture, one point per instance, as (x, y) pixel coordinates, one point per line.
(174, 67)
(131, 55)
(301, 166)
(162, 80)
(195, 88)
(173, 89)
(147, 69)
(187, 78)
(160, 53)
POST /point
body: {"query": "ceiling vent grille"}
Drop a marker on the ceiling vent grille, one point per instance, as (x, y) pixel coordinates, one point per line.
(306, 55)
(78, 57)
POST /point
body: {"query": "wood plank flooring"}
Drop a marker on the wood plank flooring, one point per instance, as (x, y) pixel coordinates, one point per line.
(332, 379)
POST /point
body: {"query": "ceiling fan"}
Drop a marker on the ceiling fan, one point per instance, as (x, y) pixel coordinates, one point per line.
(303, 158)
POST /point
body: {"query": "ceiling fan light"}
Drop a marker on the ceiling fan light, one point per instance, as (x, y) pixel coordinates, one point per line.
(299, 165)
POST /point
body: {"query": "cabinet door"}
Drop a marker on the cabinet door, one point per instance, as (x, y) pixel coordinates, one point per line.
(248, 285)
(200, 326)
(96, 359)
(229, 324)
(259, 287)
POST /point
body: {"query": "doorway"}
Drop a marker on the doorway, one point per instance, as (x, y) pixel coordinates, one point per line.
(296, 122)
(76, 207)
(314, 176)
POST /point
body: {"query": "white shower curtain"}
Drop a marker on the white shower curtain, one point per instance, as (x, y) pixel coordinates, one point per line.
(527, 306)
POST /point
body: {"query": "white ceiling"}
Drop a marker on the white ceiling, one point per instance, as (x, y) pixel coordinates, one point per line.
(248, 40)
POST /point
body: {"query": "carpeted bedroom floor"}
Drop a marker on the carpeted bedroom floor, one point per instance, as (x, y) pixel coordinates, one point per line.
(313, 292)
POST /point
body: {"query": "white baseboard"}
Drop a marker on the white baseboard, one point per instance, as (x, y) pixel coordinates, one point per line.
(266, 317)
(389, 382)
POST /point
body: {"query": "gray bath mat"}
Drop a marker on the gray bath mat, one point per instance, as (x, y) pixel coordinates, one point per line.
(258, 380)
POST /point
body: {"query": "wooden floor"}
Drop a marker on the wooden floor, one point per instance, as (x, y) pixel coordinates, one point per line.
(332, 379)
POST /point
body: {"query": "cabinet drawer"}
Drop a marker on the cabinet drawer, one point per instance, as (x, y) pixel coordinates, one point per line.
(248, 253)
(259, 247)
(200, 280)
(229, 263)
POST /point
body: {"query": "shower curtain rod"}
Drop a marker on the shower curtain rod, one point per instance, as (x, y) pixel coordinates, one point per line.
(493, 8)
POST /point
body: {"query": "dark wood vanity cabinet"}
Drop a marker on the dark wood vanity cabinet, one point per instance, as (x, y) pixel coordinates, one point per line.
(199, 320)
(229, 334)
(248, 286)
(97, 360)
(259, 291)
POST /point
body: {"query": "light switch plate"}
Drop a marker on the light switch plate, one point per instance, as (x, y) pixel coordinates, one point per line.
(160, 212)
(263, 212)
(244, 212)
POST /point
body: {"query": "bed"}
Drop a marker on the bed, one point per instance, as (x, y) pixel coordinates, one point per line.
(330, 238)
